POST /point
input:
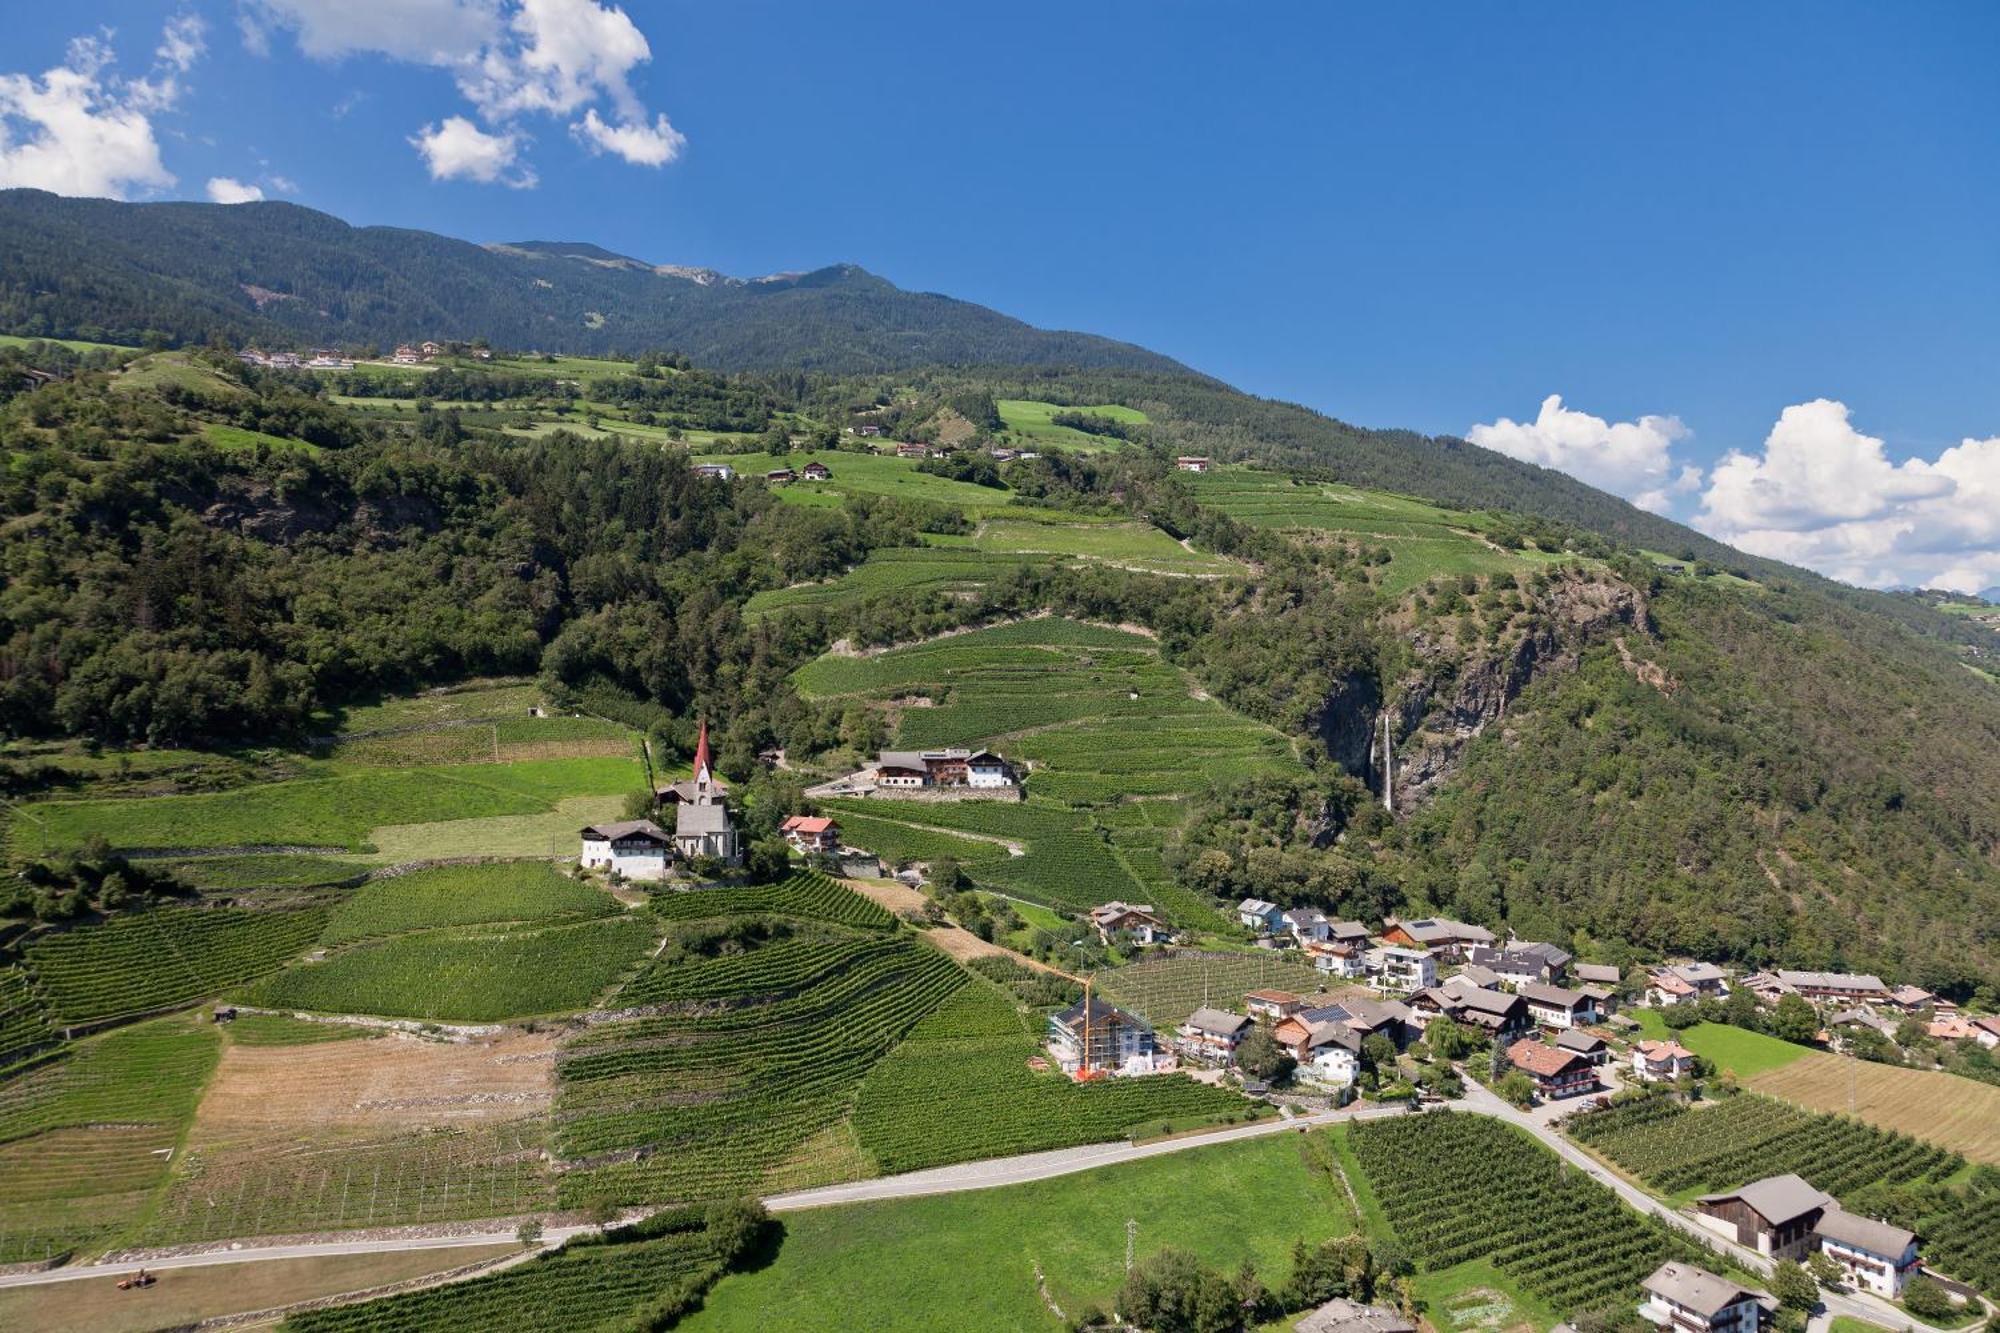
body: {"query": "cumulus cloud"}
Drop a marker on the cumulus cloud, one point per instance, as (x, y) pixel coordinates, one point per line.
(1823, 494)
(510, 59)
(639, 144)
(457, 149)
(80, 129)
(228, 190)
(1629, 458)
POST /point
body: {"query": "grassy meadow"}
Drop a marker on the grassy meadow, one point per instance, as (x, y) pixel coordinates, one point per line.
(1029, 422)
(1423, 540)
(969, 1261)
(1110, 729)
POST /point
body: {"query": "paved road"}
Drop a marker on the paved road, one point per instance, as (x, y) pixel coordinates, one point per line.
(1001, 1171)
(989, 1174)
(1858, 1305)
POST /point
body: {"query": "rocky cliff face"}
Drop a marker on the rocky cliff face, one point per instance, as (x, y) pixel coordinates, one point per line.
(1455, 692)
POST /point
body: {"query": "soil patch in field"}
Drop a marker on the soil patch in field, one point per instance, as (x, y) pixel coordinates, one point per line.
(184, 1295)
(960, 943)
(395, 1082)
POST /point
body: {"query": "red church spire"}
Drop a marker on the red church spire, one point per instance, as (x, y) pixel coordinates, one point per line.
(701, 773)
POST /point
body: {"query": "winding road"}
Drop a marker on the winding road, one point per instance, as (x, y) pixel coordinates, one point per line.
(995, 1173)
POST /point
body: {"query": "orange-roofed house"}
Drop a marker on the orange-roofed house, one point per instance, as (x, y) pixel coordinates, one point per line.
(1556, 1073)
(1661, 1061)
(811, 833)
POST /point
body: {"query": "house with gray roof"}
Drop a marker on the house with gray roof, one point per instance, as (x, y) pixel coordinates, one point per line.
(1557, 1006)
(1687, 1299)
(1877, 1256)
(1774, 1216)
(633, 848)
(1213, 1034)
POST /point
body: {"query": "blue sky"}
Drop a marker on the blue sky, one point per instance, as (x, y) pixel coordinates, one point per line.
(1751, 247)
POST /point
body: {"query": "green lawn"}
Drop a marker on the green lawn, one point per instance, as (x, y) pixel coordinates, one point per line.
(235, 437)
(461, 896)
(338, 807)
(968, 1261)
(1424, 540)
(74, 344)
(1030, 421)
(1133, 545)
(1736, 1050)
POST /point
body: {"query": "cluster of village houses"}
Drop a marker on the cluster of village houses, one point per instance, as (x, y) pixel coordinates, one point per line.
(327, 358)
(704, 829)
(1556, 1019)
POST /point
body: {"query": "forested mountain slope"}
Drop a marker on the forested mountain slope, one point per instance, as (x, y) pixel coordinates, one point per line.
(98, 269)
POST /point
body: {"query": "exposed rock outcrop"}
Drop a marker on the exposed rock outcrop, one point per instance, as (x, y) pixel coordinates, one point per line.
(1454, 693)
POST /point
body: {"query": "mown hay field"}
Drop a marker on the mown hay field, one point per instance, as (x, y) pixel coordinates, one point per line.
(1954, 1112)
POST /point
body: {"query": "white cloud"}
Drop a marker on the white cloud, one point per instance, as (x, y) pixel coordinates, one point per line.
(509, 58)
(282, 184)
(1823, 495)
(227, 190)
(424, 32)
(82, 130)
(639, 144)
(182, 43)
(1629, 458)
(457, 149)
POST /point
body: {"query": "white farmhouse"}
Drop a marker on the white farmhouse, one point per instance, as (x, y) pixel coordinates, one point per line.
(634, 848)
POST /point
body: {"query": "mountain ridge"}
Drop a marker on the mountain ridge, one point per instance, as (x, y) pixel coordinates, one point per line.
(280, 272)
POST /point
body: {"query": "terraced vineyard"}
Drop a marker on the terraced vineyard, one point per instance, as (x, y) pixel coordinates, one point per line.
(1457, 1187)
(700, 1103)
(973, 1052)
(338, 806)
(1167, 989)
(580, 1287)
(807, 894)
(470, 975)
(24, 1022)
(441, 1174)
(1423, 539)
(896, 570)
(82, 1137)
(1675, 1148)
(462, 896)
(167, 956)
(1102, 720)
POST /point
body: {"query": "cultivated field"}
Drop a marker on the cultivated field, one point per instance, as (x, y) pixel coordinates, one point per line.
(1955, 1112)
(473, 974)
(973, 1051)
(1167, 989)
(1456, 1188)
(340, 1134)
(338, 806)
(85, 1140)
(1102, 720)
(868, 474)
(464, 896)
(1423, 539)
(1029, 419)
(971, 1260)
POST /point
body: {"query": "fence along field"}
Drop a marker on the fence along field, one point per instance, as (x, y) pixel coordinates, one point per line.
(1102, 719)
(81, 1137)
(1457, 1187)
(972, 1052)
